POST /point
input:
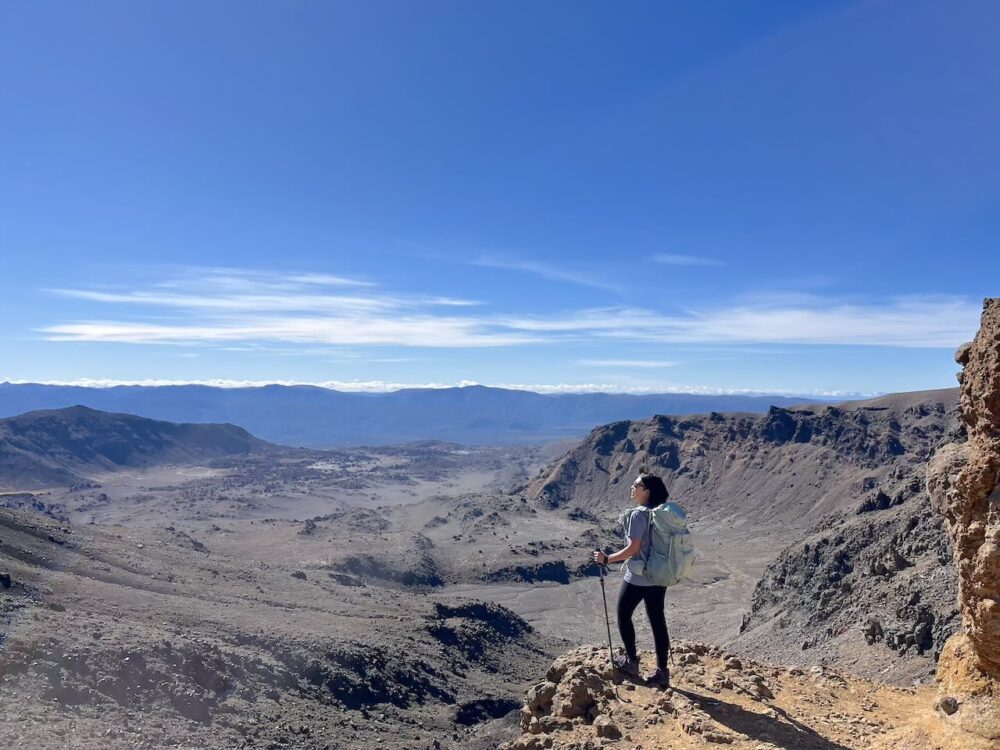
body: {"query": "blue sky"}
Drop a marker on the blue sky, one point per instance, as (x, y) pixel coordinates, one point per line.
(767, 196)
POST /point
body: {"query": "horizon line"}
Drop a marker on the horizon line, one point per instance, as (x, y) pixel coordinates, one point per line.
(378, 386)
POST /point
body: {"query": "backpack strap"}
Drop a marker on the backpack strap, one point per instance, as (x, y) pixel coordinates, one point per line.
(649, 533)
(649, 530)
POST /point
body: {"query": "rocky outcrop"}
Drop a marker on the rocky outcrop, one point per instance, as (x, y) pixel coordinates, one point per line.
(553, 570)
(717, 699)
(578, 686)
(475, 632)
(964, 484)
(418, 571)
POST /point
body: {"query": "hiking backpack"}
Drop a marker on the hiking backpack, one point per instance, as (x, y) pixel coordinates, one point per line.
(671, 551)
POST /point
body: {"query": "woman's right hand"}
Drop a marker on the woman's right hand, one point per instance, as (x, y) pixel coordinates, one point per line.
(600, 558)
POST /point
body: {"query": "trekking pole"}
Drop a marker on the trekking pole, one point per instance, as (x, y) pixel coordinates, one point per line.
(607, 621)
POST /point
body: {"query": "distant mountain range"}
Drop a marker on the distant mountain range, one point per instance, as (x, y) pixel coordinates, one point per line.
(63, 446)
(319, 417)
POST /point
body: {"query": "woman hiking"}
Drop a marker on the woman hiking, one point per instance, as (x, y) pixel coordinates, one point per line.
(648, 491)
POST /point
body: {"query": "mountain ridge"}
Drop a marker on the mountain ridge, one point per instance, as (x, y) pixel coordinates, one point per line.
(714, 455)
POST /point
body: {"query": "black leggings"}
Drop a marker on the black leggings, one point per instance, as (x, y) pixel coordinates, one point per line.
(654, 597)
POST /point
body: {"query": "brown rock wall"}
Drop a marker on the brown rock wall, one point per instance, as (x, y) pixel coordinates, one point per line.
(964, 483)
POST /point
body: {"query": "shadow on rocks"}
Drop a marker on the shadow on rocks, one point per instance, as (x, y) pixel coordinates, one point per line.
(782, 730)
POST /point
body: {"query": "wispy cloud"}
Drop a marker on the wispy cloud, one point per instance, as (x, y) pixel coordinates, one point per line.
(935, 321)
(684, 260)
(543, 270)
(236, 302)
(643, 363)
(417, 331)
(233, 307)
(226, 310)
(253, 280)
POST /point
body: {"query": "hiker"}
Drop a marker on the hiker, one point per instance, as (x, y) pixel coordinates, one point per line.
(648, 491)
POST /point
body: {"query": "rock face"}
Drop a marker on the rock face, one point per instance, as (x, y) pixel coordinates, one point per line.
(869, 592)
(964, 484)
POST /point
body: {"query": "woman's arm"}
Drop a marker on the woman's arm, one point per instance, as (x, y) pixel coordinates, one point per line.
(623, 554)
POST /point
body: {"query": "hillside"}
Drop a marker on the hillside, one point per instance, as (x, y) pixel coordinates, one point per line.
(321, 417)
(64, 446)
(871, 590)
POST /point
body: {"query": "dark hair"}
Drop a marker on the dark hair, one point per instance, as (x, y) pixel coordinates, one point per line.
(657, 490)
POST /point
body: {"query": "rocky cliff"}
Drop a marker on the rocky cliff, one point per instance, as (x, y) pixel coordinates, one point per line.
(964, 481)
(790, 466)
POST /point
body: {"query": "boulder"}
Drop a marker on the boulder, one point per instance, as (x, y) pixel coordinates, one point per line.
(606, 728)
(580, 693)
(577, 689)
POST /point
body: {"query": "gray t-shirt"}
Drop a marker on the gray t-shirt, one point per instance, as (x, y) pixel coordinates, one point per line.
(638, 528)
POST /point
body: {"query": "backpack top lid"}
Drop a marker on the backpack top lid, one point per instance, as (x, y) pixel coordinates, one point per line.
(669, 516)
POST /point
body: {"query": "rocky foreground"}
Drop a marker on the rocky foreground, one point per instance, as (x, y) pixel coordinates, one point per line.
(721, 699)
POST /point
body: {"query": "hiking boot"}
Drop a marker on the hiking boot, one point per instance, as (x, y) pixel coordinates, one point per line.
(627, 666)
(659, 679)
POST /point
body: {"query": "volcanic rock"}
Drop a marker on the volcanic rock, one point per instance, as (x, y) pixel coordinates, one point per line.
(606, 727)
(754, 708)
(964, 483)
